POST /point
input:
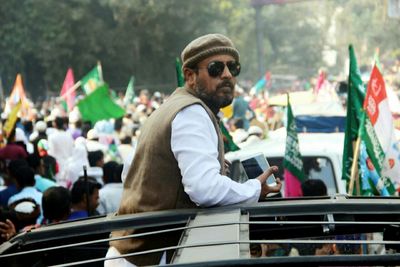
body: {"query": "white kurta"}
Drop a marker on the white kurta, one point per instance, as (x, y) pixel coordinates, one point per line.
(194, 143)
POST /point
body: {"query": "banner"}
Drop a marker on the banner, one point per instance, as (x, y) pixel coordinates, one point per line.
(65, 93)
(12, 119)
(98, 105)
(92, 80)
(292, 162)
(378, 132)
(179, 75)
(130, 92)
(355, 99)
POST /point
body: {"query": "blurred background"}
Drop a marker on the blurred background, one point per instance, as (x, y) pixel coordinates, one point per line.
(291, 39)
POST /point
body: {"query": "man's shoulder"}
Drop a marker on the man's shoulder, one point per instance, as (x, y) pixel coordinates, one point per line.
(195, 110)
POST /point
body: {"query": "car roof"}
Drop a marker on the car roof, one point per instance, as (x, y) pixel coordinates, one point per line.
(219, 236)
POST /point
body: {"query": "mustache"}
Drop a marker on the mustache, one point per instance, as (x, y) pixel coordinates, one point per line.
(226, 83)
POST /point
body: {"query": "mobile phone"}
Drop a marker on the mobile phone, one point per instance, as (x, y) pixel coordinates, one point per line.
(255, 165)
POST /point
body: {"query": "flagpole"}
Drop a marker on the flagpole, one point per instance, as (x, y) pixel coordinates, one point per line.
(100, 70)
(356, 154)
(73, 88)
(354, 168)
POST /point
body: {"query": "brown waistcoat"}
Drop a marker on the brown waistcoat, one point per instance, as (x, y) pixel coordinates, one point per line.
(154, 181)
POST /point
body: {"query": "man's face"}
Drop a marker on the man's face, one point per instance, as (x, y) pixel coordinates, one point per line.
(217, 92)
(94, 199)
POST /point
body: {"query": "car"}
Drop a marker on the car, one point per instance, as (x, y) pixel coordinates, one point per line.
(334, 231)
(321, 154)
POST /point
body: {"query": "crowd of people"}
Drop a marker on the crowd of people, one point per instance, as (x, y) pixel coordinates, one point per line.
(56, 167)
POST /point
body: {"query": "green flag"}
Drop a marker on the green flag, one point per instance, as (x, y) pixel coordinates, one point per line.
(130, 92)
(355, 99)
(179, 75)
(229, 145)
(92, 80)
(292, 160)
(98, 105)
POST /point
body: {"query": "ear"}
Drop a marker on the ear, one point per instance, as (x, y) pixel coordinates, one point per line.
(190, 77)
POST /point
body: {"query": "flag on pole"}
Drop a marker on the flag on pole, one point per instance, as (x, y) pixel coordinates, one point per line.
(262, 83)
(92, 80)
(378, 134)
(130, 91)
(292, 162)
(355, 99)
(18, 95)
(12, 119)
(229, 145)
(66, 94)
(98, 105)
(320, 81)
(18, 92)
(179, 75)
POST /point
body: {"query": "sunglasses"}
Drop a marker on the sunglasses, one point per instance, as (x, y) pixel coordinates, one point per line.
(216, 68)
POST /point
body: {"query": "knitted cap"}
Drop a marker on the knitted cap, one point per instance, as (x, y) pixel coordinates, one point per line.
(206, 46)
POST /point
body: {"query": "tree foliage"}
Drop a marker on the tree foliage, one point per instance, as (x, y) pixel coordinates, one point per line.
(42, 38)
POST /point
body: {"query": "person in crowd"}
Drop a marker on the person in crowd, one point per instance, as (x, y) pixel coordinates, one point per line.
(92, 142)
(125, 148)
(42, 183)
(255, 135)
(241, 108)
(75, 123)
(12, 150)
(22, 213)
(111, 193)
(50, 167)
(61, 143)
(56, 202)
(22, 140)
(239, 134)
(38, 134)
(96, 163)
(181, 163)
(10, 179)
(314, 187)
(25, 181)
(84, 198)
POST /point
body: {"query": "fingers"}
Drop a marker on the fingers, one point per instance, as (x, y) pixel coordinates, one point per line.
(275, 188)
(264, 176)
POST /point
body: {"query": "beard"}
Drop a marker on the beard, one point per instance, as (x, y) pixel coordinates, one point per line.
(221, 97)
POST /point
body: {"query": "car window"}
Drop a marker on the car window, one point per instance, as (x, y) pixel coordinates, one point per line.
(314, 167)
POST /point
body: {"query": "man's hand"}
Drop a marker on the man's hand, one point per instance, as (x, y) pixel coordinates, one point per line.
(7, 229)
(265, 188)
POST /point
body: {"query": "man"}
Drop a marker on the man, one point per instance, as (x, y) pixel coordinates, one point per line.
(61, 145)
(110, 194)
(25, 181)
(179, 160)
(56, 202)
(84, 198)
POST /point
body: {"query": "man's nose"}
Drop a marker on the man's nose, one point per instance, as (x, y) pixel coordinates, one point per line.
(226, 74)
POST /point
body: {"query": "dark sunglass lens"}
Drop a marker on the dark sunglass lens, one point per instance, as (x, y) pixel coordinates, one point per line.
(234, 67)
(215, 68)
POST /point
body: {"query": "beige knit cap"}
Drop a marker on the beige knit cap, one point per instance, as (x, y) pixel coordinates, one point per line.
(206, 46)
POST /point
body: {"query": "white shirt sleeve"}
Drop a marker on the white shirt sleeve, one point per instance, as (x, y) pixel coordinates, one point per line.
(194, 143)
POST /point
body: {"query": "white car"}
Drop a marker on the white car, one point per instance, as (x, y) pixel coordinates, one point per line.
(321, 153)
